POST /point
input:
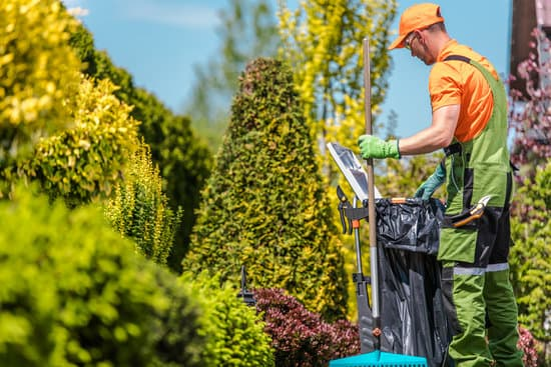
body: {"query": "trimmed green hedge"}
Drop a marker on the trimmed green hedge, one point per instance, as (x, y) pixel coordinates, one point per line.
(265, 204)
(74, 293)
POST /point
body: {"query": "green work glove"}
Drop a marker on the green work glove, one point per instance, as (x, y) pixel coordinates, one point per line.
(373, 147)
(436, 180)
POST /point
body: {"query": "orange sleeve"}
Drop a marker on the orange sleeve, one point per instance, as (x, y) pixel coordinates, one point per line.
(458, 83)
(444, 85)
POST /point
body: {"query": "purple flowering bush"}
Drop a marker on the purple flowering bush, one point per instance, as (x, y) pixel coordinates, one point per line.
(300, 337)
(528, 344)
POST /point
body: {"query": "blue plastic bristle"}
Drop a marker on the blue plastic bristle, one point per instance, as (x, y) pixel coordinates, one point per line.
(380, 359)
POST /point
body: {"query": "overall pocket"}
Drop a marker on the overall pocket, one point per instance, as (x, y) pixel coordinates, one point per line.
(490, 179)
(457, 244)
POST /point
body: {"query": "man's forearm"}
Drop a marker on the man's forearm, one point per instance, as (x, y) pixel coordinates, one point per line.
(437, 136)
(425, 141)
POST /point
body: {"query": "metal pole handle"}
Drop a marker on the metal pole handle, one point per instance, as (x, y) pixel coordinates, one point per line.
(371, 194)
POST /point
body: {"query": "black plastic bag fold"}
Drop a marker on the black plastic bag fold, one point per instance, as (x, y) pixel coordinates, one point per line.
(411, 226)
(412, 317)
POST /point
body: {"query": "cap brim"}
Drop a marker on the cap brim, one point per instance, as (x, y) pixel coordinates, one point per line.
(398, 42)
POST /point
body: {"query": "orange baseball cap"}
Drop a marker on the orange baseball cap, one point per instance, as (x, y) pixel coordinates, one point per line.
(416, 17)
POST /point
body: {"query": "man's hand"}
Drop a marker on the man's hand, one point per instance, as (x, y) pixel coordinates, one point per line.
(428, 187)
(373, 147)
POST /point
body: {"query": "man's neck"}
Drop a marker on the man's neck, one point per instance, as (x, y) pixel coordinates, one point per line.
(439, 43)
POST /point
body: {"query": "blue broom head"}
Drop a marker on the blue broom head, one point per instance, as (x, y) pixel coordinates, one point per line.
(380, 359)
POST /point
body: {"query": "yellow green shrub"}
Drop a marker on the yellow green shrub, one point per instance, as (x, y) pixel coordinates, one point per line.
(139, 208)
(87, 160)
(38, 72)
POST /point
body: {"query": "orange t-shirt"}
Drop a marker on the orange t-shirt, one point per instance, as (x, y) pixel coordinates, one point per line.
(456, 82)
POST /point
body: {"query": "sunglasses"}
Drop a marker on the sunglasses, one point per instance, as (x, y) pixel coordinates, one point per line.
(409, 39)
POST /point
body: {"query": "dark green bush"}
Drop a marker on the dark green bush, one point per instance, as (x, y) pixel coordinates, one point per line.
(74, 293)
(234, 331)
(265, 205)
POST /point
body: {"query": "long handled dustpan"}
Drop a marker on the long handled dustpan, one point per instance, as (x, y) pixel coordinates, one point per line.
(376, 357)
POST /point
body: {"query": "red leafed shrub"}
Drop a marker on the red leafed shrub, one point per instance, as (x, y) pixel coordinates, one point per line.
(528, 345)
(530, 113)
(300, 337)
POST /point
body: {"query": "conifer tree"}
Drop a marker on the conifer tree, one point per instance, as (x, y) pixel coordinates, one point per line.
(264, 205)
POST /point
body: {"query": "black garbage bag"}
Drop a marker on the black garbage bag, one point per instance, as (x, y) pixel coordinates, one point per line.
(412, 312)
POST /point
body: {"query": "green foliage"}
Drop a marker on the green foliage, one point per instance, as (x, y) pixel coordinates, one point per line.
(248, 30)
(235, 333)
(74, 293)
(323, 40)
(139, 209)
(38, 73)
(530, 263)
(265, 206)
(98, 65)
(86, 160)
(184, 160)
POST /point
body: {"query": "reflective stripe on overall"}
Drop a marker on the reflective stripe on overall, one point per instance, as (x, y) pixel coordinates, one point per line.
(478, 295)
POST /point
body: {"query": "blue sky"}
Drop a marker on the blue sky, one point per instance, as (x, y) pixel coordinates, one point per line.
(159, 42)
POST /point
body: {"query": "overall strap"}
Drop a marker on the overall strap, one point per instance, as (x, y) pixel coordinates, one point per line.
(456, 147)
(458, 58)
(483, 152)
(499, 98)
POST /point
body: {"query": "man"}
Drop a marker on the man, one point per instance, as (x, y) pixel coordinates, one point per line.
(469, 120)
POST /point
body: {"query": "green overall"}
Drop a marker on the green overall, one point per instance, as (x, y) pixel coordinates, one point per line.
(478, 295)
